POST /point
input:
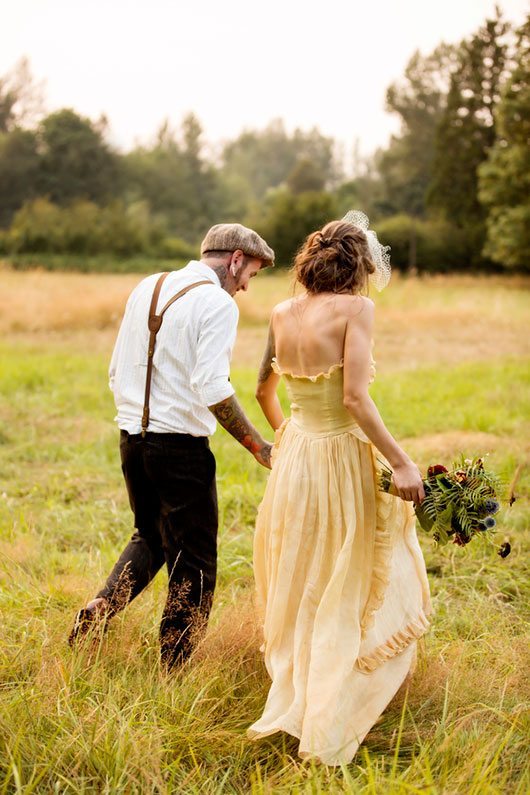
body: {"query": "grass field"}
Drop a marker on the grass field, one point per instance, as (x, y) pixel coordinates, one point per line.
(453, 375)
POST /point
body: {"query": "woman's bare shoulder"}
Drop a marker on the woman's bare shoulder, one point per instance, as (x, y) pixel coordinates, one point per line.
(282, 307)
(357, 306)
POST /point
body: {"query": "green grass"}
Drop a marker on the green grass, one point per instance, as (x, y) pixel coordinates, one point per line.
(491, 397)
(112, 723)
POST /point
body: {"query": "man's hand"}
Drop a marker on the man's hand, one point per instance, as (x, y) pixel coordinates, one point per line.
(231, 416)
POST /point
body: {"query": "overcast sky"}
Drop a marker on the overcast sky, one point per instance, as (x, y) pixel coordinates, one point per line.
(235, 63)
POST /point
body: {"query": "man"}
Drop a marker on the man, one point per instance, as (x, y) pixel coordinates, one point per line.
(171, 384)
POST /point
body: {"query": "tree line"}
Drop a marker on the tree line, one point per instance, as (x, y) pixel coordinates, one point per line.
(450, 191)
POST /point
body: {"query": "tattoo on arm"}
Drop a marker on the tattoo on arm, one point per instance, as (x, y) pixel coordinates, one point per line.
(266, 364)
(232, 417)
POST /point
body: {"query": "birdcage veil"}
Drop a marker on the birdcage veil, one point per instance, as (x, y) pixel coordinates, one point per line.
(379, 254)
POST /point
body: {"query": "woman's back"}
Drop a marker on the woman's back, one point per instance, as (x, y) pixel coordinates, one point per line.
(309, 331)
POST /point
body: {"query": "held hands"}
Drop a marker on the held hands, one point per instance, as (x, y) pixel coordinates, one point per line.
(263, 454)
(407, 482)
(260, 449)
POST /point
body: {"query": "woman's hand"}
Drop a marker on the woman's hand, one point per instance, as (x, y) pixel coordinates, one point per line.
(408, 483)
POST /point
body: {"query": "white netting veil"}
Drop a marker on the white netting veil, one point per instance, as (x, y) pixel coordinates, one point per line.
(380, 254)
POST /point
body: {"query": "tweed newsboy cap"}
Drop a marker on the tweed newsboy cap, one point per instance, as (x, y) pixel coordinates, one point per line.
(230, 237)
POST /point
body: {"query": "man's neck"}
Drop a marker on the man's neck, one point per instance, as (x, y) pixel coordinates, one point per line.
(220, 271)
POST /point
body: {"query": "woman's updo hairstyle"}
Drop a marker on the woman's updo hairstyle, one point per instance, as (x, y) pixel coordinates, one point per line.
(336, 259)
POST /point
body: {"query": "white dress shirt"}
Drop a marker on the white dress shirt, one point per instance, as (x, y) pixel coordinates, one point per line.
(191, 363)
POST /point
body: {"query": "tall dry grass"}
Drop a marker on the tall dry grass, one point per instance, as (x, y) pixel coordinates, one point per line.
(444, 319)
(39, 301)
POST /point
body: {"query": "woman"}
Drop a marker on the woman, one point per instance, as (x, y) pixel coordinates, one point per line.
(340, 576)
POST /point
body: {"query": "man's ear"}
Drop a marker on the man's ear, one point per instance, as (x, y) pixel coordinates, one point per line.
(236, 260)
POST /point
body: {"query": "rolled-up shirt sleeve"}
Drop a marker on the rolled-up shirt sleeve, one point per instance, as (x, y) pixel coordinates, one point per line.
(217, 333)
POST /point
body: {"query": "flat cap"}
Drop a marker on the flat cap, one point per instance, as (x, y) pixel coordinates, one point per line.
(230, 237)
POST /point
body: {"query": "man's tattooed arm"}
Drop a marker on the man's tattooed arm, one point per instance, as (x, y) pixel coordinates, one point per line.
(233, 419)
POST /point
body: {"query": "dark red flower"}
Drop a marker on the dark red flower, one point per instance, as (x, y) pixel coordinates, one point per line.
(436, 469)
(504, 549)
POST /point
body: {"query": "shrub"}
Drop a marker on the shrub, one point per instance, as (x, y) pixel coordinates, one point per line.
(176, 248)
(439, 246)
(396, 232)
(83, 228)
(80, 228)
(37, 227)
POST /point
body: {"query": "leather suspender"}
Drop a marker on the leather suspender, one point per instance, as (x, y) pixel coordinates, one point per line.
(154, 322)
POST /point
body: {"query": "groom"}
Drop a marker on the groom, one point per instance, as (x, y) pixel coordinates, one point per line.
(170, 376)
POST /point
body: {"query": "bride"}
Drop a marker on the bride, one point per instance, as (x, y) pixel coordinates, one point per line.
(341, 582)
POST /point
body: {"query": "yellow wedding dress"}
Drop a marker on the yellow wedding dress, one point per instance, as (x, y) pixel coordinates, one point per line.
(340, 577)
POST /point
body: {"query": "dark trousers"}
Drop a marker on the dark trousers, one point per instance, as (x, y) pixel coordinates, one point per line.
(170, 479)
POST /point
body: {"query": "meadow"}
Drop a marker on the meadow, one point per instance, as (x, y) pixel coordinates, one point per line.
(452, 357)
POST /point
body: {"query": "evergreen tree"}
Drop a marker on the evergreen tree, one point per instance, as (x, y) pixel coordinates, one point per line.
(305, 176)
(467, 129)
(505, 176)
(156, 174)
(262, 159)
(178, 183)
(19, 172)
(76, 162)
(200, 183)
(419, 100)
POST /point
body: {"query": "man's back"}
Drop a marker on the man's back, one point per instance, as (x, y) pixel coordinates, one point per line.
(191, 364)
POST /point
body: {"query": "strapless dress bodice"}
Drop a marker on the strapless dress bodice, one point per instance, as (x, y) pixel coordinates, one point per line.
(317, 403)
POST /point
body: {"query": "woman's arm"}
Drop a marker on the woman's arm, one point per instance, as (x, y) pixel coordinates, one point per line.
(267, 385)
(357, 349)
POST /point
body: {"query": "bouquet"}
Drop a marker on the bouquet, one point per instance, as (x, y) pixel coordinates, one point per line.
(459, 503)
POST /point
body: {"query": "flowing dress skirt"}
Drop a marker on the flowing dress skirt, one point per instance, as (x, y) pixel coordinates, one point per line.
(341, 589)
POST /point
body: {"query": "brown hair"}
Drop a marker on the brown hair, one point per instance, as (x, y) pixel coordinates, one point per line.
(221, 254)
(336, 259)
